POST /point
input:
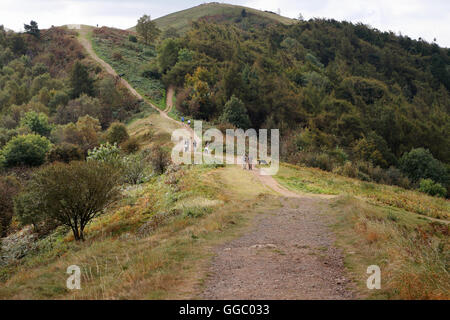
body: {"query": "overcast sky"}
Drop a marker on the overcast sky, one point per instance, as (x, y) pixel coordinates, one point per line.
(428, 19)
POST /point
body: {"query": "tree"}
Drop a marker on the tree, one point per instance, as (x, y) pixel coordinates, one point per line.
(9, 187)
(85, 133)
(37, 123)
(73, 194)
(235, 113)
(32, 29)
(170, 32)
(28, 150)
(432, 188)
(80, 81)
(147, 29)
(420, 164)
(107, 153)
(117, 133)
(168, 54)
(159, 159)
(64, 152)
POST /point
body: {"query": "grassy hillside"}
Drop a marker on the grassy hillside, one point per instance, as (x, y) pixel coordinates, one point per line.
(128, 59)
(223, 12)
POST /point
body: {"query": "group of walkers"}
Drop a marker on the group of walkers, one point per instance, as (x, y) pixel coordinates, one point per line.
(187, 144)
(247, 162)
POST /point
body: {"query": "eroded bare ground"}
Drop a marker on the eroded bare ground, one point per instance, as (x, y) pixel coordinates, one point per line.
(288, 254)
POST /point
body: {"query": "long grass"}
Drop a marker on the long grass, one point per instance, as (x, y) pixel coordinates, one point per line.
(413, 255)
(312, 180)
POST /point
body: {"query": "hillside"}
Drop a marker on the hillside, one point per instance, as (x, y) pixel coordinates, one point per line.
(220, 12)
(86, 176)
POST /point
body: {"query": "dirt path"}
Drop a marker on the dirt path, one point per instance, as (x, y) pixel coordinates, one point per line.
(288, 254)
(169, 99)
(86, 43)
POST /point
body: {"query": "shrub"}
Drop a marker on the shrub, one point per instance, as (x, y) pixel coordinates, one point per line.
(117, 55)
(27, 206)
(107, 153)
(65, 152)
(150, 70)
(159, 159)
(117, 133)
(132, 38)
(432, 188)
(131, 145)
(74, 194)
(28, 150)
(134, 169)
(420, 164)
(9, 187)
(80, 81)
(36, 122)
(235, 112)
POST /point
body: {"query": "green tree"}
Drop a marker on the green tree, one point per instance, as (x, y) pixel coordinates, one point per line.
(107, 153)
(27, 207)
(159, 158)
(117, 133)
(170, 32)
(147, 29)
(32, 29)
(420, 164)
(80, 81)
(37, 123)
(168, 54)
(73, 194)
(64, 152)
(235, 113)
(28, 150)
(9, 188)
(432, 188)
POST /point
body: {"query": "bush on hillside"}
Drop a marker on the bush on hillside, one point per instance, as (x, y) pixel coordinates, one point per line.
(131, 145)
(9, 188)
(107, 153)
(117, 133)
(37, 123)
(420, 164)
(64, 152)
(73, 194)
(432, 188)
(134, 169)
(159, 158)
(27, 150)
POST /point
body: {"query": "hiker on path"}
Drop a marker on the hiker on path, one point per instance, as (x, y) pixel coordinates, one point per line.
(186, 145)
(244, 162)
(250, 159)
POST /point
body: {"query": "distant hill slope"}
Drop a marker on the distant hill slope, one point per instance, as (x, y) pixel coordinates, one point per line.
(224, 12)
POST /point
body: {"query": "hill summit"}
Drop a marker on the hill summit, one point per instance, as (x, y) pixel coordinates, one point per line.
(219, 12)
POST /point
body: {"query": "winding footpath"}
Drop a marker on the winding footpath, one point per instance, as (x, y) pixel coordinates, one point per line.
(288, 254)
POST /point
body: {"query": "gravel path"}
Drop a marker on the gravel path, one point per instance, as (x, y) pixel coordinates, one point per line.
(289, 254)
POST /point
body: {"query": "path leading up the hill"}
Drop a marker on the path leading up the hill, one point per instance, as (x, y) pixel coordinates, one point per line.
(86, 43)
(288, 253)
(169, 99)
